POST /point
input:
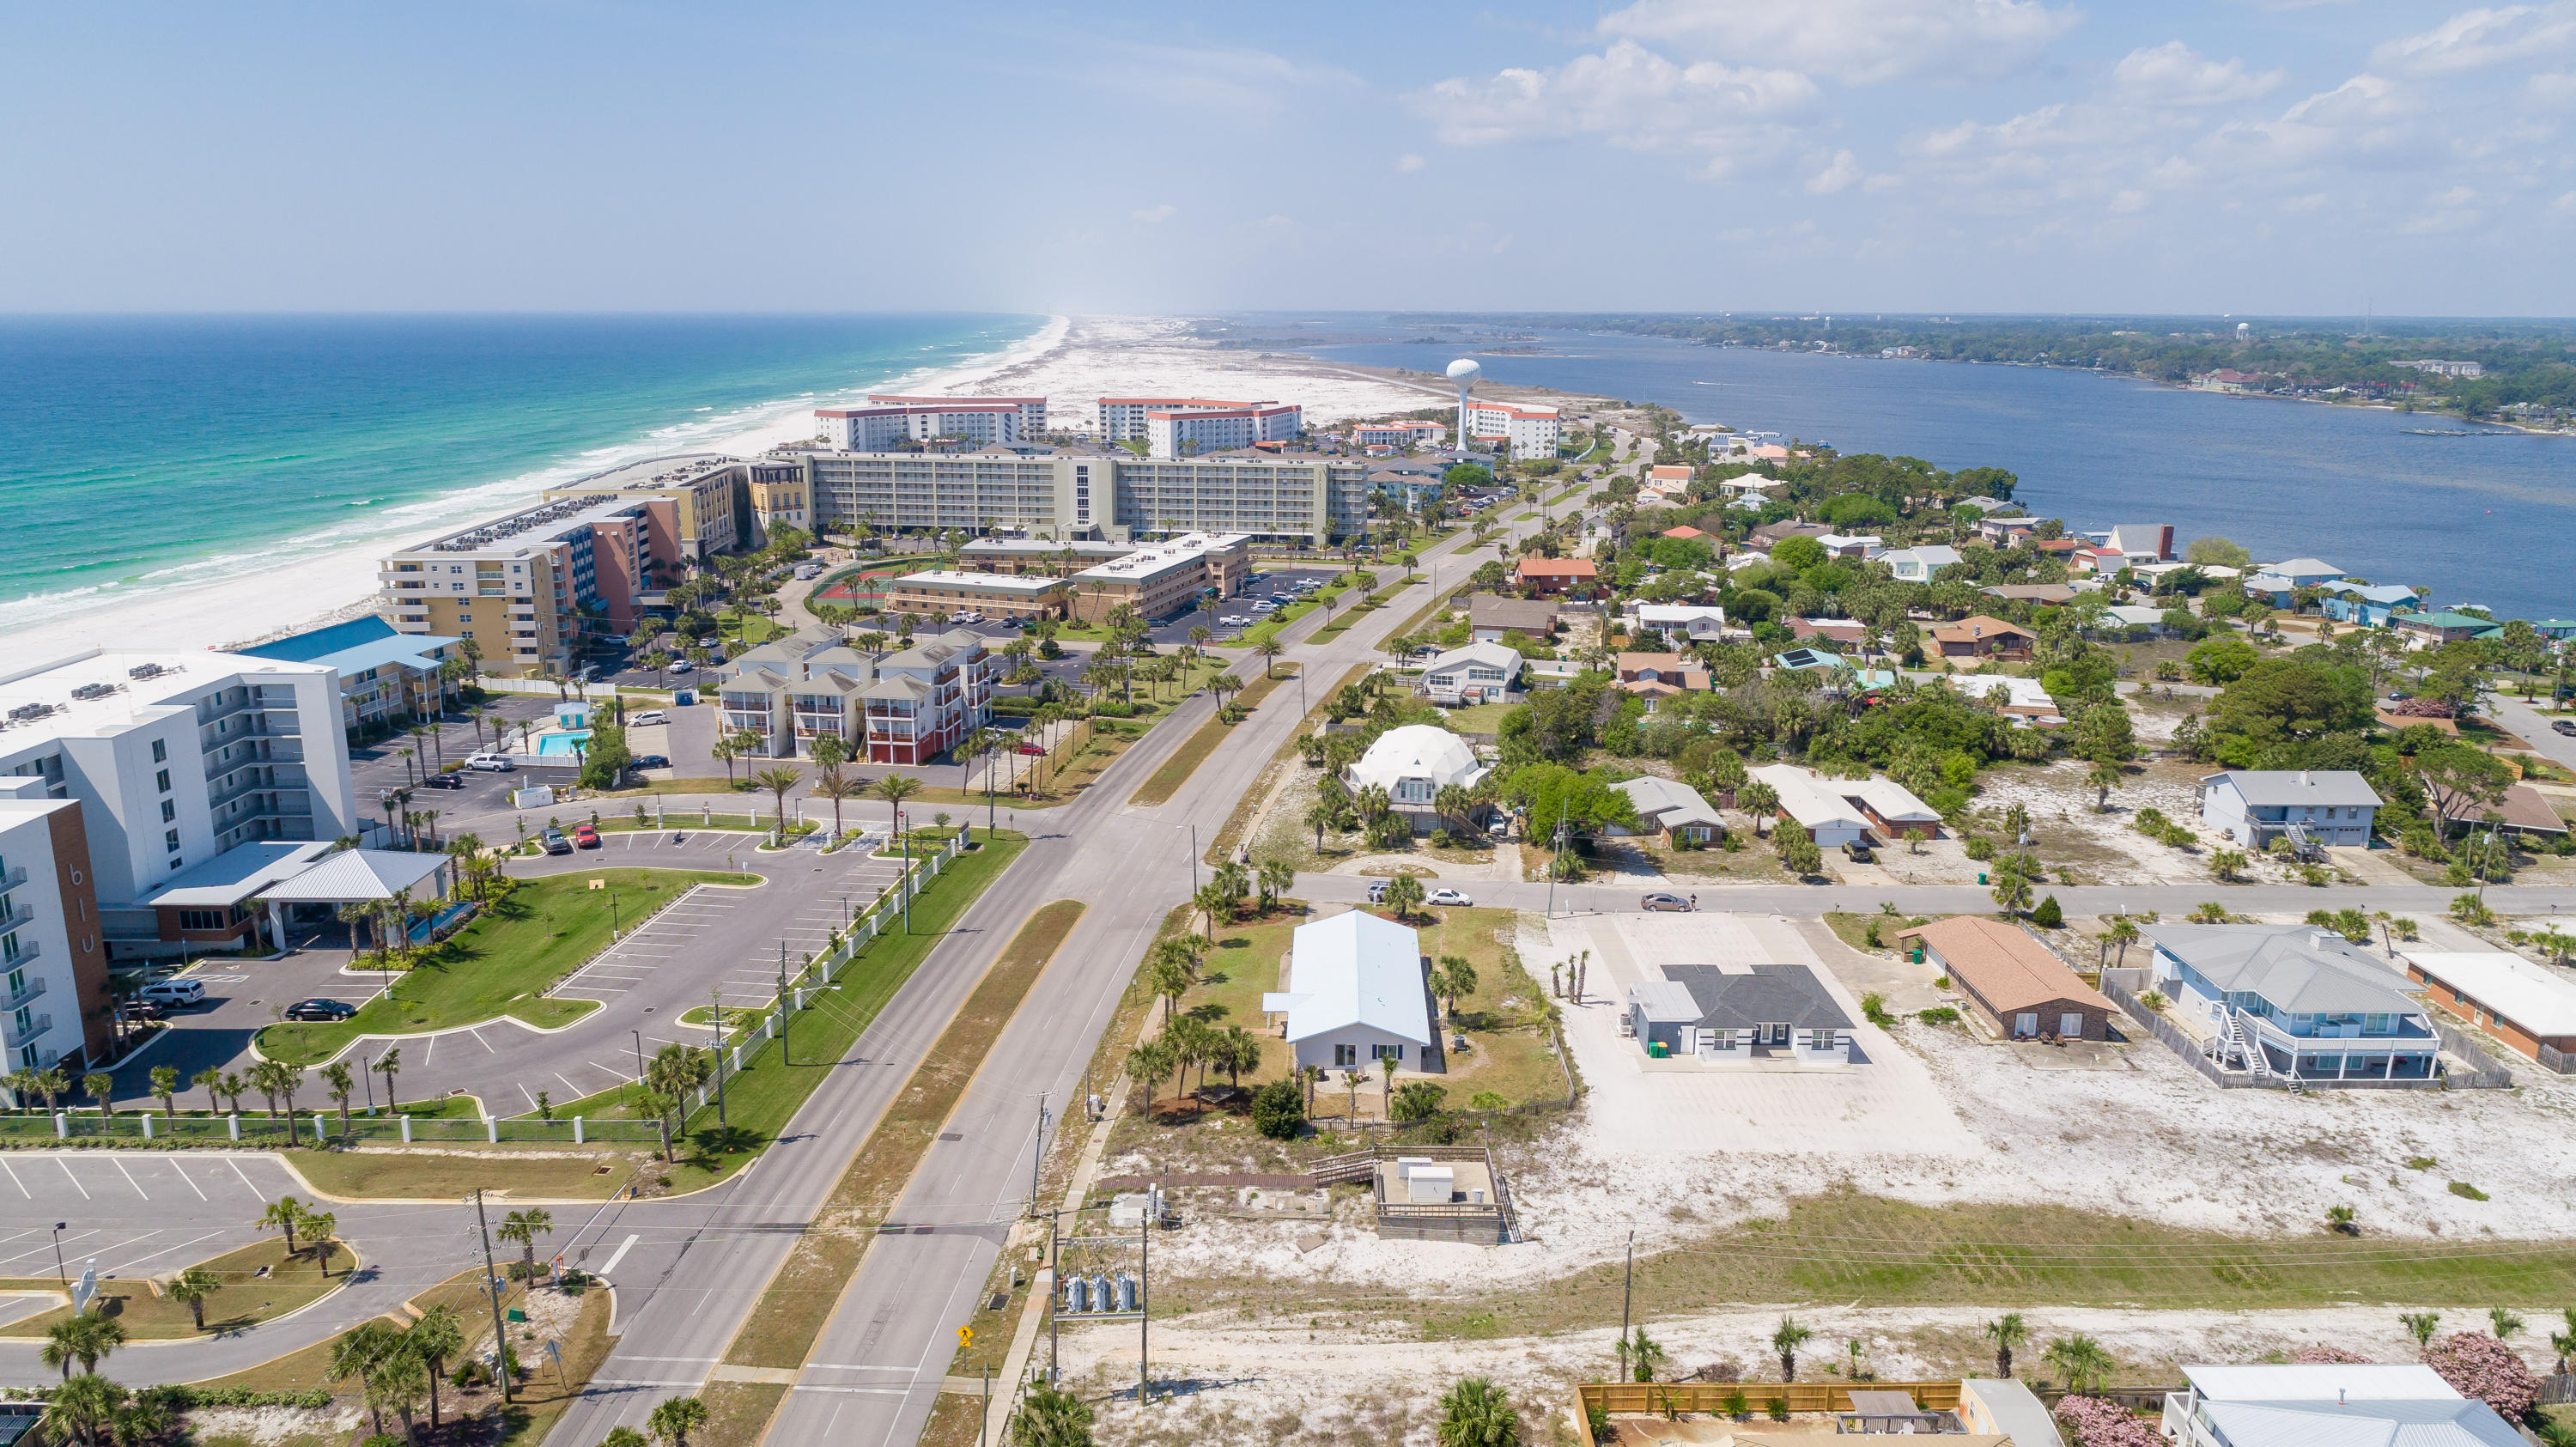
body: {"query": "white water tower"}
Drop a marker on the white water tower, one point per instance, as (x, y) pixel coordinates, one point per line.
(1464, 372)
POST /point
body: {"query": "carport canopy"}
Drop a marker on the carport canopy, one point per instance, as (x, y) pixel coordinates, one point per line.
(355, 876)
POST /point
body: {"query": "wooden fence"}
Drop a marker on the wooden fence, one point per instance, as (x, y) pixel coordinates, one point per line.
(1656, 1399)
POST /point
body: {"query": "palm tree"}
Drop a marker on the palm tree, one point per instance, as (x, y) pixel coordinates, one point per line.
(277, 1080)
(86, 1339)
(2104, 778)
(1321, 816)
(191, 1288)
(1267, 650)
(1149, 1063)
(322, 1237)
(2081, 1360)
(1476, 1413)
(1403, 894)
(361, 1352)
(206, 1080)
(838, 787)
(165, 1084)
(1276, 880)
(355, 915)
(2123, 932)
(723, 751)
(525, 1227)
(1386, 1079)
(2564, 1342)
(1785, 1341)
(101, 1087)
(1049, 1418)
(286, 1214)
(2421, 1325)
(1212, 900)
(1456, 976)
(778, 781)
(1169, 974)
(88, 1410)
(2006, 1332)
(386, 1065)
(1351, 1079)
(676, 1418)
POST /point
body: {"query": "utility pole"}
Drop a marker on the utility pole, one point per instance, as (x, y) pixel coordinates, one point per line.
(1037, 1152)
(907, 870)
(715, 1004)
(1145, 1300)
(783, 1016)
(1627, 1294)
(1055, 1309)
(1194, 859)
(492, 1285)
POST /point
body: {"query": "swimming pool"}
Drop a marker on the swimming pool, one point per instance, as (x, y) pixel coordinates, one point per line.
(563, 743)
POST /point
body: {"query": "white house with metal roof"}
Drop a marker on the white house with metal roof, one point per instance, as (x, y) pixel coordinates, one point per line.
(2293, 1001)
(2322, 806)
(1477, 673)
(2328, 1405)
(1922, 564)
(1675, 810)
(1413, 764)
(1357, 992)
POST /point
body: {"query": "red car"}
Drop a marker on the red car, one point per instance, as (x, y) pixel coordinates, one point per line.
(1030, 749)
(585, 837)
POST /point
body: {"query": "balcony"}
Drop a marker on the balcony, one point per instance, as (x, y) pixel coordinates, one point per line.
(12, 877)
(24, 997)
(15, 1037)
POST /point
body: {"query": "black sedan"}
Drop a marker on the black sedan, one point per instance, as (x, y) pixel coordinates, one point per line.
(442, 781)
(320, 1009)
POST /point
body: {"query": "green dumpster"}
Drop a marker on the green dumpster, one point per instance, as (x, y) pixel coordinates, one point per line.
(1657, 1049)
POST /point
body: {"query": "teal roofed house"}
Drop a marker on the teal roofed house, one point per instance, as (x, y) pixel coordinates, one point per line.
(385, 676)
(2555, 627)
(2447, 627)
(2371, 605)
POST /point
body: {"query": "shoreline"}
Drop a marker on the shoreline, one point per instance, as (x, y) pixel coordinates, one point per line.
(336, 582)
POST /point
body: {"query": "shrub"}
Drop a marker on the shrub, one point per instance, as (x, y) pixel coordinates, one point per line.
(1778, 1407)
(2048, 915)
(2097, 1423)
(1939, 1015)
(1979, 847)
(2467, 1192)
(1279, 1110)
(2477, 1365)
(1418, 1100)
(1486, 1100)
(1874, 1006)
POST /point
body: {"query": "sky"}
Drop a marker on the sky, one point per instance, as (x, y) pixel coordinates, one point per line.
(2271, 157)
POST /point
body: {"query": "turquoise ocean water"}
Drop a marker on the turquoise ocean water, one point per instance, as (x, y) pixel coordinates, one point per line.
(149, 452)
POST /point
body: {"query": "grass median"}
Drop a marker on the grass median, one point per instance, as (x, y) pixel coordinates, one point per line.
(260, 1281)
(500, 964)
(784, 1325)
(1164, 782)
(778, 1076)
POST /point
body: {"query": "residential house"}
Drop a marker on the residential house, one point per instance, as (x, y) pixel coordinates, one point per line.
(2135, 617)
(2143, 542)
(2292, 1001)
(1676, 811)
(1855, 545)
(2522, 811)
(1983, 636)
(2427, 629)
(2005, 532)
(2371, 605)
(1990, 506)
(1653, 676)
(1834, 812)
(1920, 565)
(2014, 983)
(2278, 581)
(2046, 595)
(2095, 560)
(928, 697)
(1769, 534)
(1669, 481)
(2321, 806)
(2527, 1006)
(2313, 1405)
(1413, 764)
(1358, 992)
(2023, 699)
(1768, 1013)
(1489, 617)
(788, 692)
(2559, 628)
(1747, 489)
(1685, 532)
(2228, 379)
(1832, 630)
(1695, 621)
(1477, 673)
(2060, 548)
(1555, 575)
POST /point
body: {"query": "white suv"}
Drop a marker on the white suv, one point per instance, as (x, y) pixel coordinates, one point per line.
(492, 763)
(171, 992)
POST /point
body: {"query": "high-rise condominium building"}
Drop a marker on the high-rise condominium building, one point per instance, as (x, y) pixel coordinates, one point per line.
(53, 961)
(1096, 493)
(966, 419)
(1128, 419)
(1528, 431)
(1188, 431)
(182, 763)
(528, 586)
(1033, 410)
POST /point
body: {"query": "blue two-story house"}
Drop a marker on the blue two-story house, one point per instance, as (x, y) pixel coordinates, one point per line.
(2369, 604)
(2253, 807)
(2293, 1002)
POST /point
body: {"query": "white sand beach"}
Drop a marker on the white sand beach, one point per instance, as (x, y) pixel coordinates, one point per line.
(308, 581)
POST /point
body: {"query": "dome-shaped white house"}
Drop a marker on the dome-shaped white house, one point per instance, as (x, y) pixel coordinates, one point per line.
(1413, 764)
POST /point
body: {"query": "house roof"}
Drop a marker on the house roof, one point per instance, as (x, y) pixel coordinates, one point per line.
(1359, 969)
(1507, 659)
(1416, 751)
(1666, 1002)
(1667, 804)
(1492, 610)
(2375, 592)
(2446, 619)
(356, 646)
(1841, 630)
(2529, 995)
(237, 874)
(1658, 615)
(2321, 1382)
(1685, 531)
(1536, 567)
(1768, 995)
(2361, 1423)
(2033, 592)
(1978, 626)
(2300, 568)
(1930, 555)
(2269, 788)
(2002, 965)
(2299, 968)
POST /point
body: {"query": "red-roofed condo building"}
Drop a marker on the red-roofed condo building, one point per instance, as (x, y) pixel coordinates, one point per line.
(881, 425)
(1188, 431)
(1528, 431)
(1129, 419)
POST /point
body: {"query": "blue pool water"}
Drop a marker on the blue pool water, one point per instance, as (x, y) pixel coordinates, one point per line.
(562, 743)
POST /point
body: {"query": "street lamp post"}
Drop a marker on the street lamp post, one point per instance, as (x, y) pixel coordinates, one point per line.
(60, 1272)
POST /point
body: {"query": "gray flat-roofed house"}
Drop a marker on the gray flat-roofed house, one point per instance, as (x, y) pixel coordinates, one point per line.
(1490, 616)
(1676, 811)
(1773, 1012)
(2293, 1001)
(2326, 806)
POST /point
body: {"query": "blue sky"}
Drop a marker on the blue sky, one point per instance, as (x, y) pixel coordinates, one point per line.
(1917, 155)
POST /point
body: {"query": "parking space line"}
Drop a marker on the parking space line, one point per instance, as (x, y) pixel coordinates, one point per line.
(524, 1091)
(577, 1091)
(432, 1050)
(620, 1074)
(66, 1241)
(129, 1178)
(13, 1180)
(182, 1169)
(235, 1162)
(75, 1180)
(128, 1265)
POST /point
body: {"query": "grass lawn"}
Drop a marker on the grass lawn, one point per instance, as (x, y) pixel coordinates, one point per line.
(501, 963)
(790, 1314)
(1481, 718)
(1175, 771)
(771, 1088)
(246, 1297)
(535, 1172)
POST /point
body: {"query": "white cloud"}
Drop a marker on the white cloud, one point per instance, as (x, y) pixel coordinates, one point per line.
(1410, 162)
(1835, 177)
(2475, 39)
(1627, 94)
(2555, 89)
(2175, 74)
(1153, 215)
(1859, 41)
(2565, 205)
(2128, 202)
